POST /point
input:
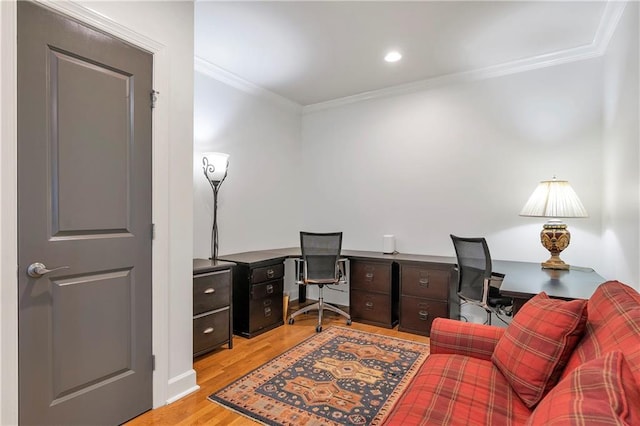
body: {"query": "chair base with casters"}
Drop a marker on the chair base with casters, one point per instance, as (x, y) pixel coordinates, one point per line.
(320, 305)
(496, 304)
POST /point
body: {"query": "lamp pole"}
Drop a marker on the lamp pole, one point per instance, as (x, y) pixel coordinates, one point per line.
(215, 178)
(214, 227)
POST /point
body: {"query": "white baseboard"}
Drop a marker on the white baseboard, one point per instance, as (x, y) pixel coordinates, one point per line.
(181, 386)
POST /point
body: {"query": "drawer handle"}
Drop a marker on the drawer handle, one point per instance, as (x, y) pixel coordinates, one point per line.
(270, 273)
(267, 312)
(369, 275)
(424, 282)
(269, 289)
(369, 305)
(267, 302)
(208, 330)
(424, 315)
(210, 291)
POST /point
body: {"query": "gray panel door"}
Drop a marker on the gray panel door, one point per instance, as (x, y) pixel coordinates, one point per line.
(84, 200)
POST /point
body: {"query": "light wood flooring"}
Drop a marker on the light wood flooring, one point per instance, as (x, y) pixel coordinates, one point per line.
(219, 368)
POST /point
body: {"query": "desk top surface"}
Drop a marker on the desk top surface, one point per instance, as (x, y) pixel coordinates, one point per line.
(271, 254)
(258, 256)
(521, 278)
(208, 265)
(528, 278)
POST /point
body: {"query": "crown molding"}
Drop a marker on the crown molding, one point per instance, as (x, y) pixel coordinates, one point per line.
(528, 64)
(610, 18)
(606, 28)
(103, 23)
(211, 70)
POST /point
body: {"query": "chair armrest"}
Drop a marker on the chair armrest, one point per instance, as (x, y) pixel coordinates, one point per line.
(464, 338)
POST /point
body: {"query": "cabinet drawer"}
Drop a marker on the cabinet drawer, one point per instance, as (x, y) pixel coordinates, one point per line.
(210, 331)
(265, 312)
(267, 273)
(211, 291)
(268, 289)
(424, 282)
(372, 307)
(417, 314)
(371, 276)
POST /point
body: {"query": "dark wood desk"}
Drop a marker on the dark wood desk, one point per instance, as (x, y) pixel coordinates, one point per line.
(386, 289)
(523, 280)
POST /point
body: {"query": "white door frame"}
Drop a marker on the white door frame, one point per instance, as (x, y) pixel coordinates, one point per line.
(9, 200)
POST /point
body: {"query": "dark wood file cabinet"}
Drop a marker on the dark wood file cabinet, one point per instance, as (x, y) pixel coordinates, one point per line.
(374, 292)
(427, 291)
(258, 286)
(212, 310)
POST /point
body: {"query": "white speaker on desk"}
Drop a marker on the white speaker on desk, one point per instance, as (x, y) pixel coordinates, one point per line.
(388, 244)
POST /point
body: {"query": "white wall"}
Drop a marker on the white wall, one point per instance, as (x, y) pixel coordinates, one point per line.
(461, 159)
(621, 154)
(257, 203)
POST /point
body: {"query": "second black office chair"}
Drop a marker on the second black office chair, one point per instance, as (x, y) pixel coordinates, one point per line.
(477, 283)
(321, 266)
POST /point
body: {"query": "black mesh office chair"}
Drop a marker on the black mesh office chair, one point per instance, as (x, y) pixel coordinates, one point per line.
(321, 266)
(477, 283)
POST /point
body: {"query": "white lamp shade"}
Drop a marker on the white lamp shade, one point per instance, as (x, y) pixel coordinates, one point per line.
(215, 164)
(554, 198)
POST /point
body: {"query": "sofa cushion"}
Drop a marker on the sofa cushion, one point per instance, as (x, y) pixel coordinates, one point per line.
(602, 391)
(613, 324)
(537, 344)
(458, 390)
(464, 338)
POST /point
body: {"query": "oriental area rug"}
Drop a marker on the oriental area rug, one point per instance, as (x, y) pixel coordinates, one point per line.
(337, 377)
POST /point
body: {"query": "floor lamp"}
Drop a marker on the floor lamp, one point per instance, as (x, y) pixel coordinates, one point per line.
(214, 166)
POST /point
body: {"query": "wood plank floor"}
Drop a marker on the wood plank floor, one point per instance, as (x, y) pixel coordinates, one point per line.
(221, 367)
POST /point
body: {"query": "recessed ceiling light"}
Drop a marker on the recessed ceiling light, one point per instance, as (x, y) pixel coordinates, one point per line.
(393, 56)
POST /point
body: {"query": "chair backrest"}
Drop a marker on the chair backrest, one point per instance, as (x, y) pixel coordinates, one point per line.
(474, 267)
(320, 252)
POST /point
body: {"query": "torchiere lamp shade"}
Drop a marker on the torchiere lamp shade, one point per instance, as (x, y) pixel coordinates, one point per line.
(215, 166)
(554, 199)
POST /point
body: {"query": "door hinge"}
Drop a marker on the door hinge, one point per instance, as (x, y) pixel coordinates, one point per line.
(153, 231)
(154, 98)
(153, 363)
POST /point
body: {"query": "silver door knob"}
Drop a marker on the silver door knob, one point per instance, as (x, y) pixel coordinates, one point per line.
(36, 270)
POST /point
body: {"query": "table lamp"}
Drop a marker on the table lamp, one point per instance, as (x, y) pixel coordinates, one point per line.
(554, 199)
(214, 166)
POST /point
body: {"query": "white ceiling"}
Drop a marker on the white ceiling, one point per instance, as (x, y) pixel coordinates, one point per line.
(312, 52)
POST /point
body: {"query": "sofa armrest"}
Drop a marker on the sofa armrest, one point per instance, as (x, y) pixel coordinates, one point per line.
(464, 338)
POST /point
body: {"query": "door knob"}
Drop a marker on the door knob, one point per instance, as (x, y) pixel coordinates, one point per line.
(36, 270)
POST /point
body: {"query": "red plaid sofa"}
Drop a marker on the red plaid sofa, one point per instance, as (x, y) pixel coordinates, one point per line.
(598, 383)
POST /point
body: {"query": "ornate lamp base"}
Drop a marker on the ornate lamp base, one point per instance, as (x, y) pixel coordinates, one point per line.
(555, 237)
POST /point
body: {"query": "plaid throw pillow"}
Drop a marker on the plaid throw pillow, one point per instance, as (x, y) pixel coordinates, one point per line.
(537, 344)
(599, 392)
